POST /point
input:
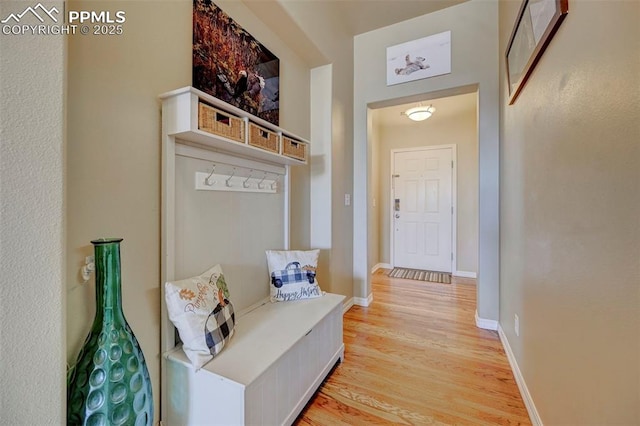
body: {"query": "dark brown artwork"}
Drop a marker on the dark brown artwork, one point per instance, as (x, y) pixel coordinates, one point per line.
(231, 65)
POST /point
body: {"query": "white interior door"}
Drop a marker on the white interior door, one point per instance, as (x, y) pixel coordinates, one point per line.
(422, 209)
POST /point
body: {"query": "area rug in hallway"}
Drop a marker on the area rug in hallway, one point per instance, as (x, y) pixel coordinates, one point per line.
(420, 275)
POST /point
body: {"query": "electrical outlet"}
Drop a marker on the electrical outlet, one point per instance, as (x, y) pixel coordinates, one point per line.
(516, 325)
(347, 199)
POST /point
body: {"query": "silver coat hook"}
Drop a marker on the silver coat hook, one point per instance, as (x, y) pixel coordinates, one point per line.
(245, 184)
(228, 180)
(260, 184)
(275, 182)
(210, 182)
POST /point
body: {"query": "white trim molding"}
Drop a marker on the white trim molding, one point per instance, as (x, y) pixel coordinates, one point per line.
(381, 266)
(487, 324)
(348, 304)
(361, 301)
(522, 386)
(465, 274)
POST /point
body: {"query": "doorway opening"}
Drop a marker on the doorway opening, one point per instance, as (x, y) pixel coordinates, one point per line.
(426, 235)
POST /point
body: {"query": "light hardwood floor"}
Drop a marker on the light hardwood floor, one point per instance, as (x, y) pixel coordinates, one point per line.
(415, 356)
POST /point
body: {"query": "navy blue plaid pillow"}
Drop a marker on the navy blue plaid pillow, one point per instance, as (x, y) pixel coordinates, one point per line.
(219, 327)
(292, 274)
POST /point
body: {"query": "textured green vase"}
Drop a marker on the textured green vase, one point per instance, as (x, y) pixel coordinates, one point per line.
(109, 384)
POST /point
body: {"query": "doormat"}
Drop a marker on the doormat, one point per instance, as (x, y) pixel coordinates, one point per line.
(420, 275)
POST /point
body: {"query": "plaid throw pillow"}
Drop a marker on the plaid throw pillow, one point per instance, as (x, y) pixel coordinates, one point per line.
(200, 309)
(219, 326)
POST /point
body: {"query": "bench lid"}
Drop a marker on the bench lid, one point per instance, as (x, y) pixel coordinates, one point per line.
(263, 335)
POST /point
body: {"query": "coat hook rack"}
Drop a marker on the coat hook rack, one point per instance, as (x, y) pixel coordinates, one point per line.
(233, 178)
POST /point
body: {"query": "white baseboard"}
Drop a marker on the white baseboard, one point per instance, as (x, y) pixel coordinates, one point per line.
(381, 266)
(487, 324)
(361, 301)
(524, 391)
(465, 274)
(348, 305)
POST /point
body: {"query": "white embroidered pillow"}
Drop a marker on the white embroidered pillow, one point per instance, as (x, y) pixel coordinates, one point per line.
(200, 309)
(293, 274)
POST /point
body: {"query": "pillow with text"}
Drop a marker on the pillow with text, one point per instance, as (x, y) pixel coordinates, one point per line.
(200, 309)
(293, 274)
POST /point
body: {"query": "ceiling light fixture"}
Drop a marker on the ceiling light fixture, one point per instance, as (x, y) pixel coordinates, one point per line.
(420, 112)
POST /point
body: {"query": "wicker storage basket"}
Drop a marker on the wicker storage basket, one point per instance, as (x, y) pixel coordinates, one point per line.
(263, 138)
(220, 123)
(294, 149)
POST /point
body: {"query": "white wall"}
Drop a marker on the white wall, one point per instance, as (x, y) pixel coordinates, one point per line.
(317, 19)
(375, 201)
(32, 132)
(570, 217)
(475, 59)
(320, 164)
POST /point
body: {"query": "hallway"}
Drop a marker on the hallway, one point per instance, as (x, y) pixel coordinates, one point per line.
(415, 356)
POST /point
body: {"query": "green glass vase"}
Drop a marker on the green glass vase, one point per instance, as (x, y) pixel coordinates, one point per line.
(109, 384)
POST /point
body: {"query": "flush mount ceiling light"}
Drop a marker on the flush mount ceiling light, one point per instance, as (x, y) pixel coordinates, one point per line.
(419, 113)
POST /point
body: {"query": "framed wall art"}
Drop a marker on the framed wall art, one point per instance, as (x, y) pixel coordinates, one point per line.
(537, 22)
(231, 65)
(423, 58)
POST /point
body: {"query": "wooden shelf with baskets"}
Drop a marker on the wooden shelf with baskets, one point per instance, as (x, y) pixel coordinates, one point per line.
(294, 148)
(196, 118)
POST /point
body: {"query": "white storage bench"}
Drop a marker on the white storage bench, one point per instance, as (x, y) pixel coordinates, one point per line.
(279, 355)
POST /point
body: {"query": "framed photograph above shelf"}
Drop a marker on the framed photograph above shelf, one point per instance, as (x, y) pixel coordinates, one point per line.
(231, 65)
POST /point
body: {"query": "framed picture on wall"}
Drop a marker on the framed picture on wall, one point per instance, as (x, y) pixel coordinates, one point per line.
(423, 58)
(537, 22)
(231, 65)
